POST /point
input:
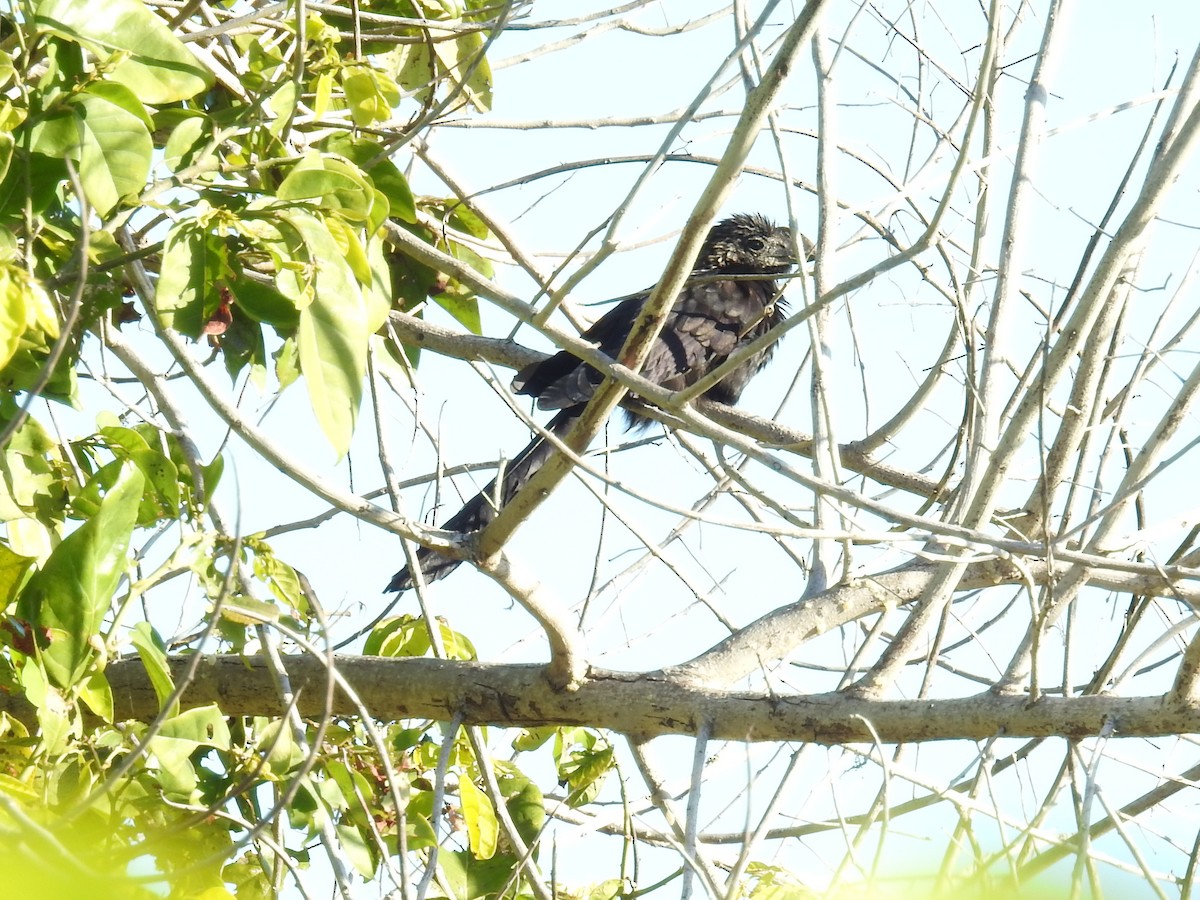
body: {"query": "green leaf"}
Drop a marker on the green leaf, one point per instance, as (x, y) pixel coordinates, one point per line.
(96, 692)
(357, 849)
(420, 832)
(351, 248)
(464, 309)
(525, 806)
(248, 610)
(281, 578)
(53, 714)
(382, 171)
(283, 755)
(154, 464)
(281, 104)
(470, 878)
(336, 184)
(159, 68)
(456, 58)
(7, 144)
(263, 303)
(332, 335)
(584, 759)
(202, 726)
(370, 94)
(483, 830)
(531, 738)
(119, 95)
(397, 637)
(193, 264)
(242, 344)
(12, 318)
(153, 654)
(408, 635)
(287, 363)
(179, 738)
(377, 290)
(187, 139)
(115, 144)
(30, 538)
(28, 367)
(71, 593)
(56, 136)
(13, 567)
(35, 179)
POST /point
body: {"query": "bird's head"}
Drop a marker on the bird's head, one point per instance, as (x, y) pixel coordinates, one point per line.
(748, 244)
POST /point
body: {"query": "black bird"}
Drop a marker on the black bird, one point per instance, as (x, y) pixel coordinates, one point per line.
(716, 312)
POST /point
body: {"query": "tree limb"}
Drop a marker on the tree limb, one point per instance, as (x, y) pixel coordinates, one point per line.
(633, 703)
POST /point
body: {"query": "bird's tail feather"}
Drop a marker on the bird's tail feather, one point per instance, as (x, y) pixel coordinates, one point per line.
(481, 509)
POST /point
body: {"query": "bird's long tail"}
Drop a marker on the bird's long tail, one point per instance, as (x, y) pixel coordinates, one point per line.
(481, 509)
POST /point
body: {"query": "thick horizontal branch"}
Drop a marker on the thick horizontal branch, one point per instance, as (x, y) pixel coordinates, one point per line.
(643, 705)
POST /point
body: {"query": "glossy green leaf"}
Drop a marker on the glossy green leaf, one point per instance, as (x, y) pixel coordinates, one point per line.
(96, 692)
(366, 154)
(370, 94)
(356, 848)
(158, 67)
(7, 145)
(154, 464)
(203, 726)
(287, 363)
(71, 593)
(334, 183)
(263, 303)
(56, 136)
(525, 806)
(483, 830)
(193, 264)
(53, 714)
(115, 144)
(153, 654)
(478, 84)
(13, 567)
(332, 336)
(469, 877)
(187, 139)
(283, 754)
(35, 179)
(350, 246)
(12, 319)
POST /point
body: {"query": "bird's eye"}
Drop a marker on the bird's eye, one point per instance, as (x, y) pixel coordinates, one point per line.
(755, 244)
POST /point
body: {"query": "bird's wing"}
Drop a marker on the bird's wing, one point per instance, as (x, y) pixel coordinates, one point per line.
(563, 380)
(708, 323)
(705, 325)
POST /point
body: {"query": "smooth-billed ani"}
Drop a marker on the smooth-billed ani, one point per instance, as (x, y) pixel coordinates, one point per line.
(717, 311)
